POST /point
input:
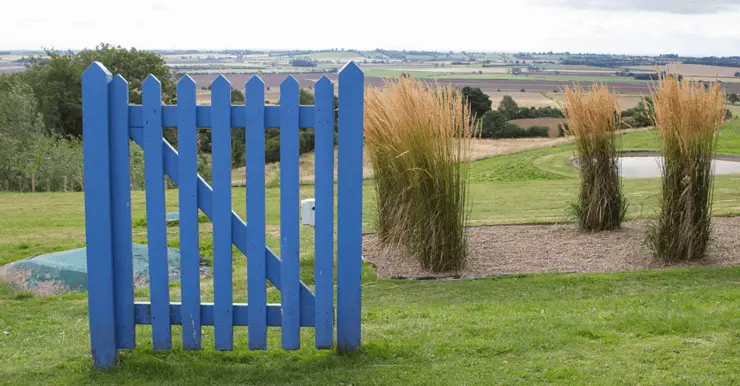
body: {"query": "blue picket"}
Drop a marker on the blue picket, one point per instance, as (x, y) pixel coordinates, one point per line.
(324, 236)
(349, 207)
(156, 226)
(255, 175)
(121, 205)
(222, 257)
(98, 216)
(188, 200)
(289, 206)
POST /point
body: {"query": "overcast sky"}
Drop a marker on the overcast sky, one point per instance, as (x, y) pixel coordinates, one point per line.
(686, 27)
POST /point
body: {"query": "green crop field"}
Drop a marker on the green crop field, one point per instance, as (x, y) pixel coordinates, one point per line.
(678, 326)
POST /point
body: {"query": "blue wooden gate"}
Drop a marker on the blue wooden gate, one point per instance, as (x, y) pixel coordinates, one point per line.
(108, 123)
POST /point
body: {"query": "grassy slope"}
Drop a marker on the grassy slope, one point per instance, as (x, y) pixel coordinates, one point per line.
(678, 326)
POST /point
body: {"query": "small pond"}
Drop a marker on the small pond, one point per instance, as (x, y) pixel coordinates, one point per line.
(649, 166)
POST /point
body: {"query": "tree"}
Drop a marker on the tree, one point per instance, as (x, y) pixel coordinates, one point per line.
(21, 127)
(508, 107)
(737, 74)
(640, 116)
(28, 153)
(733, 98)
(479, 101)
(237, 96)
(57, 85)
(493, 123)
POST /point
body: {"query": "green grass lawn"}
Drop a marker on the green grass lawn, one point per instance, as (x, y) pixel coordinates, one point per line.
(660, 327)
(656, 327)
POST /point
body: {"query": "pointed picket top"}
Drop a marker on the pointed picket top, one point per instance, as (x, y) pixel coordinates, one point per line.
(255, 91)
(289, 83)
(323, 82)
(186, 83)
(119, 88)
(119, 81)
(96, 70)
(254, 81)
(221, 83)
(151, 83)
(350, 69)
(151, 91)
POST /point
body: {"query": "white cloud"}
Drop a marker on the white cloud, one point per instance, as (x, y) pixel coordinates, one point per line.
(533, 25)
(669, 6)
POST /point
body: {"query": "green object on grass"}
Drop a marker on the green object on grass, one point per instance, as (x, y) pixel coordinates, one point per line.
(67, 270)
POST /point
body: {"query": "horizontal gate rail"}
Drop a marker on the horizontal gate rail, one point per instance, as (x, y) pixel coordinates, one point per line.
(143, 314)
(238, 116)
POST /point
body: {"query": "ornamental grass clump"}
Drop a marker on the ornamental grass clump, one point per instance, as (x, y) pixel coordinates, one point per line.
(593, 118)
(688, 116)
(417, 137)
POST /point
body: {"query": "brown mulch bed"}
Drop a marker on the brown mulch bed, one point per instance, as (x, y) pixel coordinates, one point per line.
(515, 249)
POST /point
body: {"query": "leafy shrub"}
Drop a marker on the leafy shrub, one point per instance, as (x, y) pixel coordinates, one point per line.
(640, 116)
(272, 150)
(536, 131)
(494, 125)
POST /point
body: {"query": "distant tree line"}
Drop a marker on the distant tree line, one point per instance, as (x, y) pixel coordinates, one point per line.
(596, 60)
(303, 63)
(724, 61)
(644, 75)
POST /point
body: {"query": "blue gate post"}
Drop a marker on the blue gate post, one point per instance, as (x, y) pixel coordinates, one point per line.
(349, 208)
(98, 215)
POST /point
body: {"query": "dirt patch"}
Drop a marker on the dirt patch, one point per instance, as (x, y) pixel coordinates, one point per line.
(22, 280)
(515, 249)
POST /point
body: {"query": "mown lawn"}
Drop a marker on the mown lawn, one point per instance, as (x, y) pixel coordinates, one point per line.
(657, 327)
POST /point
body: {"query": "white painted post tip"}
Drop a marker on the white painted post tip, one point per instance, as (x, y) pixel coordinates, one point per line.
(96, 67)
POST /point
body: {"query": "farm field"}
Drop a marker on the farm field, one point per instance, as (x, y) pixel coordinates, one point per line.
(538, 92)
(696, 69)
(647, 327)
(499, 74)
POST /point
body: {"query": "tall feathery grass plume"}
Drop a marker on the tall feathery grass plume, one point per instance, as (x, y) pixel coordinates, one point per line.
(593, 119)
(418, 137)
(688, 116)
